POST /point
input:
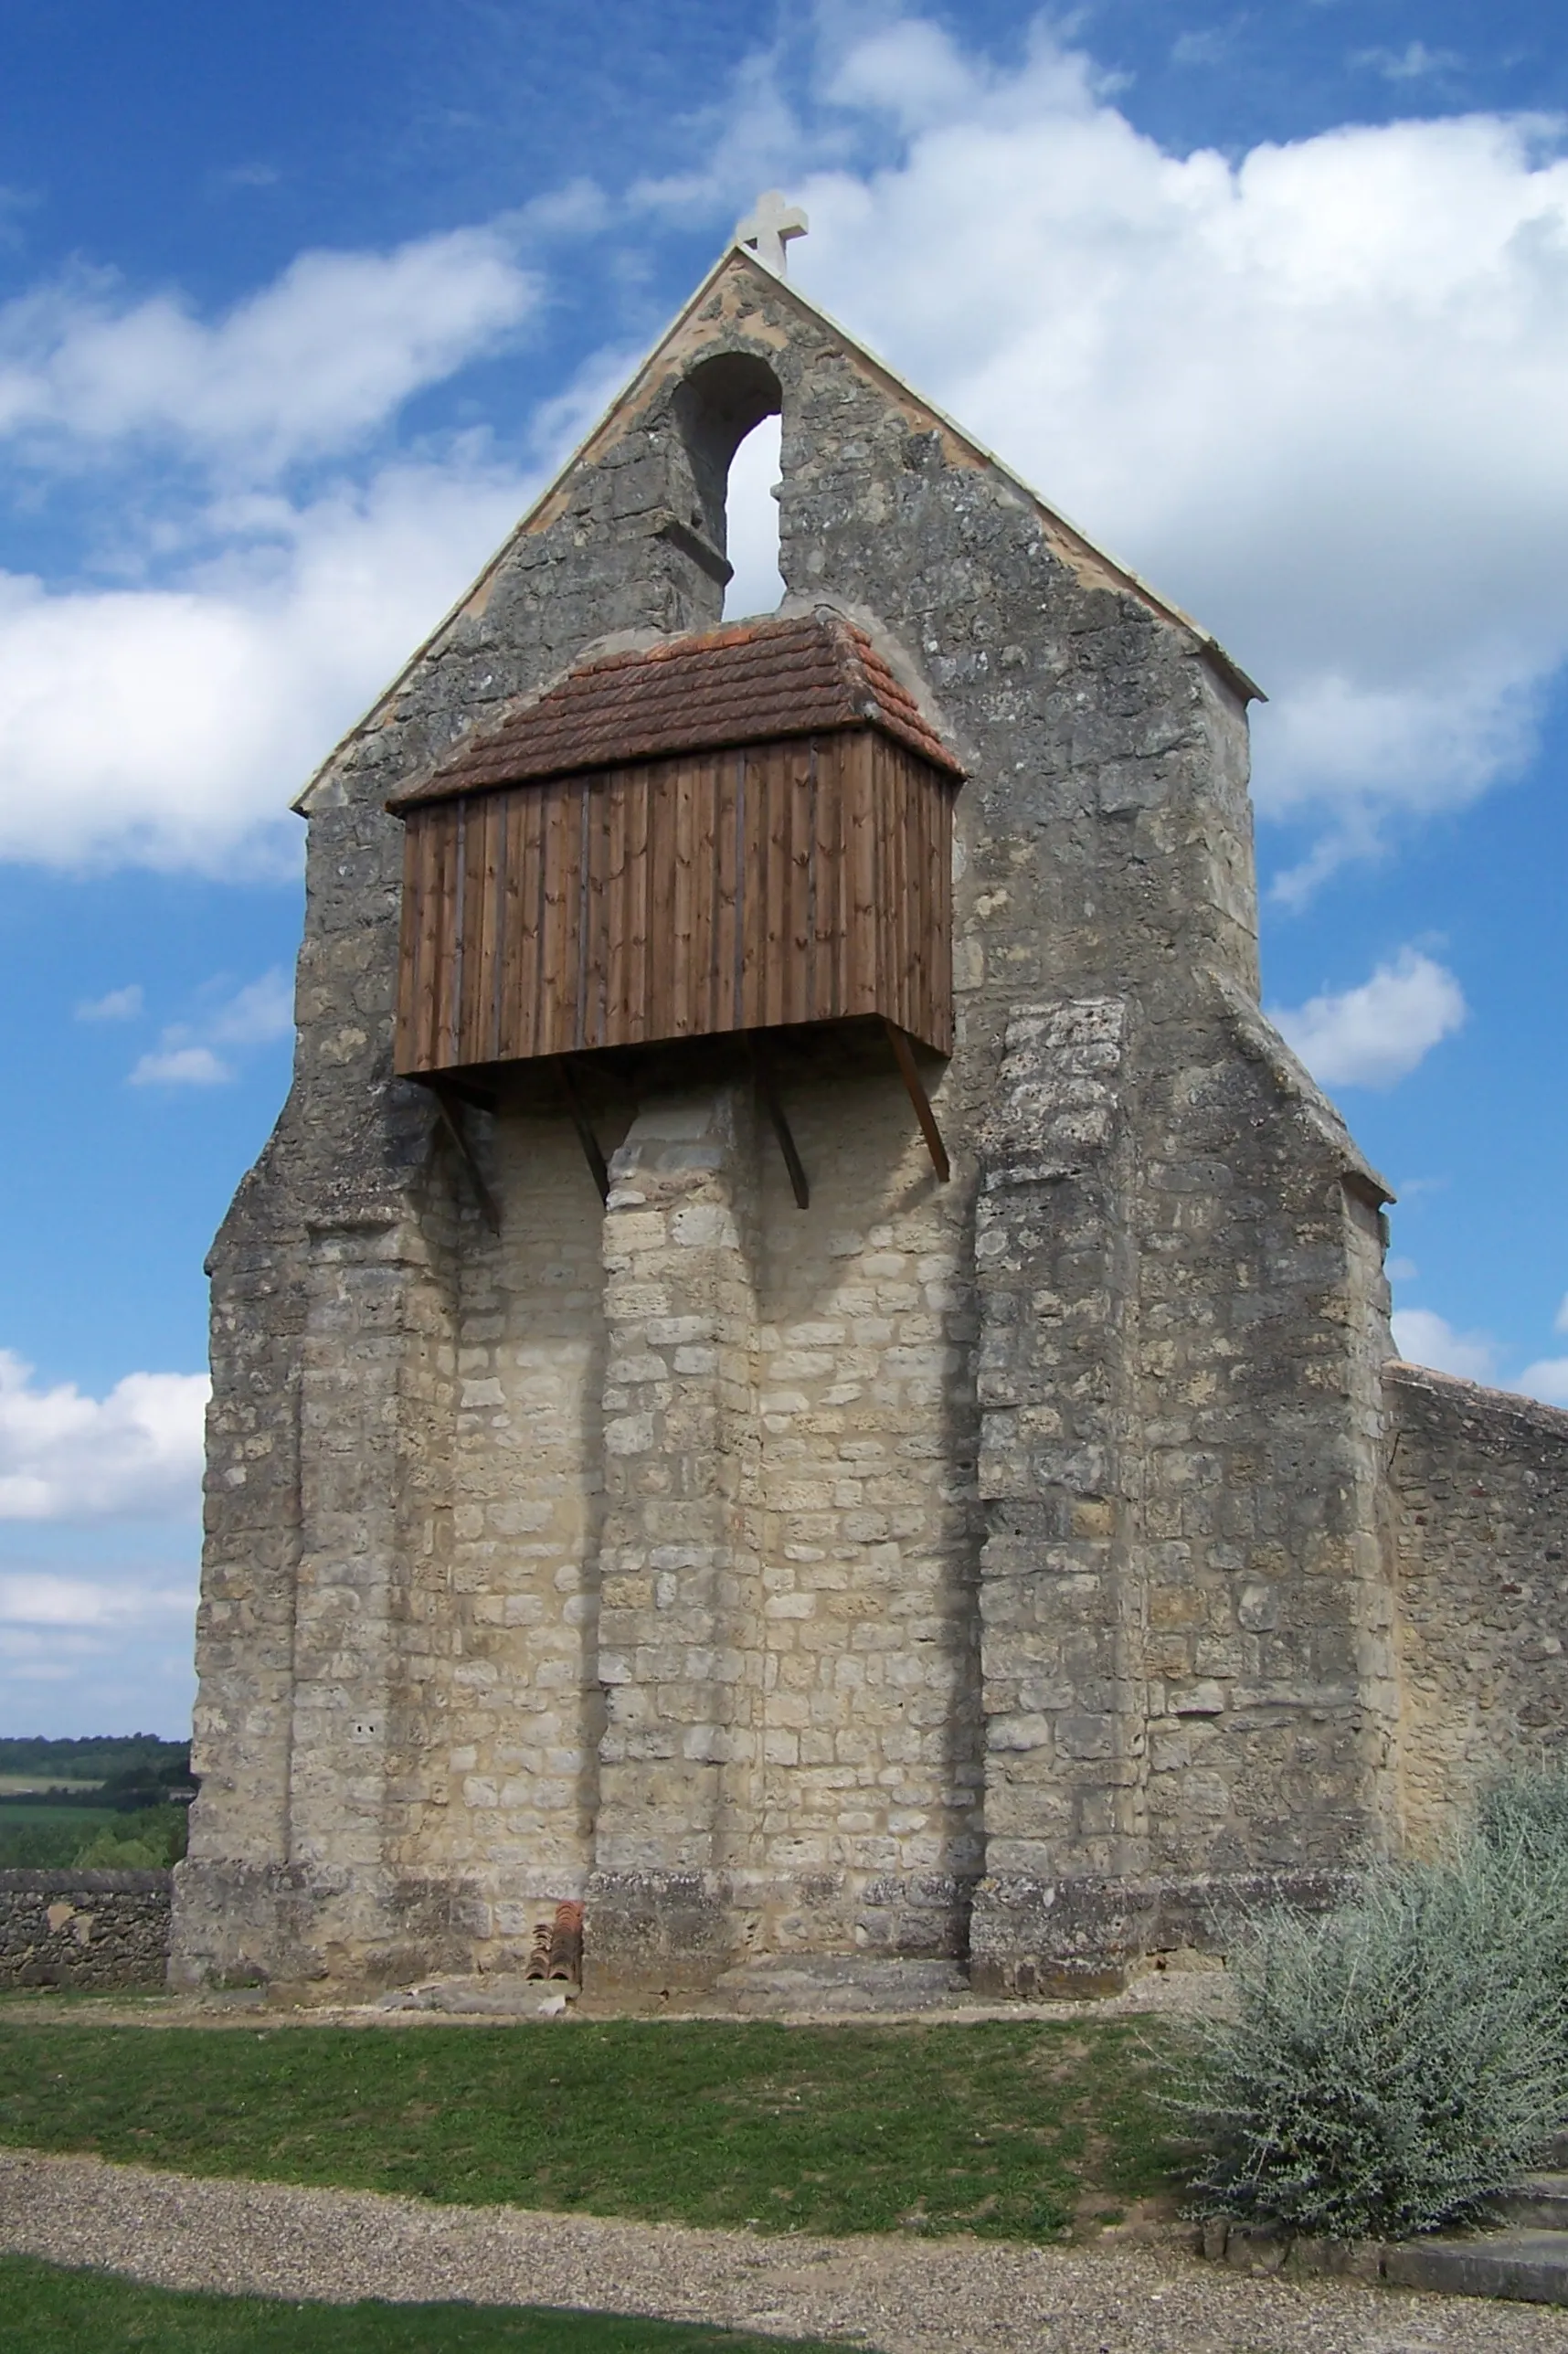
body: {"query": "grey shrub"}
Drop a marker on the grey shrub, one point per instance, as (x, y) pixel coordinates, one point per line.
(1389, 2066)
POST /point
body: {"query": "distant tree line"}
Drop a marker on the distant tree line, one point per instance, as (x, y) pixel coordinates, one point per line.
(127, 1772)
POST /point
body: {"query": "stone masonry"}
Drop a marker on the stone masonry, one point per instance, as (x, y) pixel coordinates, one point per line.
(1017, 1569)
(84, 1928)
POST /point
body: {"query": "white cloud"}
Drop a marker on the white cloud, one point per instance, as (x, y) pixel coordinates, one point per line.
(170, 728)
(751, 514)
(42, 1598)
(185, 1054)
(1547, 1380)
(756, 137)
(119, 1006)
(248, 176)
(1208, 48)
(1415, 62)
(1400, 1270)
(64, 1457)
(1376, 1033)
(1315, 391)
(1423, 1337)
(261, 1010)
(309, 365)
(182, 1067)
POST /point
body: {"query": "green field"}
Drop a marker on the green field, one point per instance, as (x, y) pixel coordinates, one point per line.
(51, 2311)
(1013, 2131)
(37, 1810)
(21, 1784)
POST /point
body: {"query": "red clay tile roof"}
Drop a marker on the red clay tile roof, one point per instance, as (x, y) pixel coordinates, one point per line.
(745, 685)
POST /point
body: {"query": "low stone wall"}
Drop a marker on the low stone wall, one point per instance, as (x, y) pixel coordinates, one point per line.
(1481, 1488)
(74, 1928)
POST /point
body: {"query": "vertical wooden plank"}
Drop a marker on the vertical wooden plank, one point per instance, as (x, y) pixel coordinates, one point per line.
(917, 787)
(640, 884)
(704, 889)
(753, 884)
(419, 976)
(905, 871)
(435, 930)
(761, 861)
(583, 917)
(827, 756)
(477, 911)
(531, 920)
(495, 925)
(926, 952)
(559, 879)
(767, 769)
(568, 976)
(886, 883)
(681, 1007)
(944, 800)
(482, 990)
(612, 1028)
(468, 926)
(595, 958)
(799, 928)
(813, 991)
(779, 879)
(452, 945)
(898, 814)
(860, 817)
(725, 998)
(662, 828)
(513, 926)
(901, 877)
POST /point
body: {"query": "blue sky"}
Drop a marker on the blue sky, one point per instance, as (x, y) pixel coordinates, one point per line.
(297, 309)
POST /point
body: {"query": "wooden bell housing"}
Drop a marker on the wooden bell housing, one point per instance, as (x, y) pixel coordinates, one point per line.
(728, 832)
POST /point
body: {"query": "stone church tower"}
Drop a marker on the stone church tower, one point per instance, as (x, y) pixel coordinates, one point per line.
(802, 1367)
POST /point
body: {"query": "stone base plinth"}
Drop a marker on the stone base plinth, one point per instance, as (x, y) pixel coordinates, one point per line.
(1058, 1940)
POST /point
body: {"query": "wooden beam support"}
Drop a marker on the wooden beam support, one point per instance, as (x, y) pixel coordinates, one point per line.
(481, 1098)
(581, 1122)
(904, 1054)
(450, 1109)
(768, 1088)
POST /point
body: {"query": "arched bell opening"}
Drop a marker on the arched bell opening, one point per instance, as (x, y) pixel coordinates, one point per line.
(715, 408)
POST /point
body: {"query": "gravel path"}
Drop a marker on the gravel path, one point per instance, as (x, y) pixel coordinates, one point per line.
(901, 2296)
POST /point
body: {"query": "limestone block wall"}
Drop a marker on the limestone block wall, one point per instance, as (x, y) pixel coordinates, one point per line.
(703, 1645)
(1479, 1487)
(1263, 1320)
(869, 1830)
(497, 1685)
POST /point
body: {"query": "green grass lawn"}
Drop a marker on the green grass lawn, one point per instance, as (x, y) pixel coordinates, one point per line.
(1010, 2131)
(51, 2311)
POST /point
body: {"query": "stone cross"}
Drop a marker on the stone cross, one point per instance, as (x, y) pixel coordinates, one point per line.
(768, 226)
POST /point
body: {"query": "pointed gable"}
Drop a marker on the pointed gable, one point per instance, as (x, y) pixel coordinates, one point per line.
(736, 331)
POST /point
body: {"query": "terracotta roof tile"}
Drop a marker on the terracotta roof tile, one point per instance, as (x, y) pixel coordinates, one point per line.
(745, 684)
